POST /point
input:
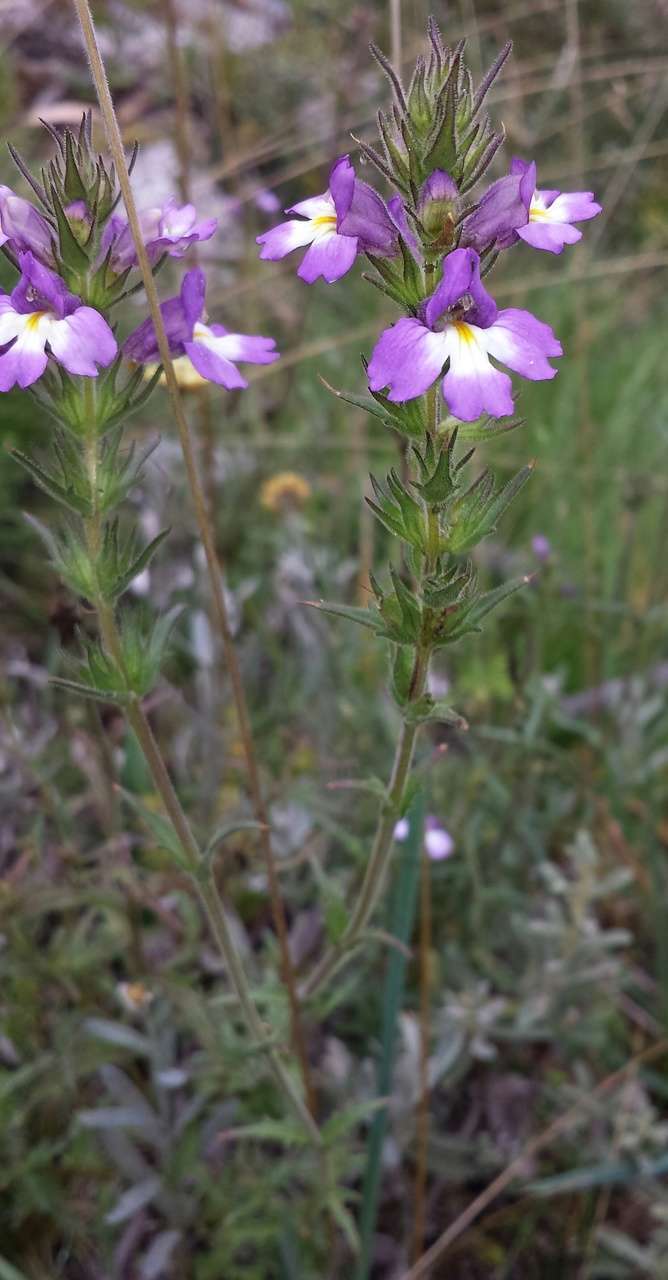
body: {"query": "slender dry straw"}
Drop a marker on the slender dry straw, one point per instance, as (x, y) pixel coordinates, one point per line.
(518, 1166)
(206, 532)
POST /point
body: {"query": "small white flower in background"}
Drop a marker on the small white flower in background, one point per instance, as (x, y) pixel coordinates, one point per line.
(438, 843)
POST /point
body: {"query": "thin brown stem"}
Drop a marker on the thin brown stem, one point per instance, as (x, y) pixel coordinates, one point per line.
(206, 532)
(181, 111)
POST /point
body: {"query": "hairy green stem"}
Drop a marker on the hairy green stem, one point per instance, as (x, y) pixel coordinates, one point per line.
(206, 533)
(199, 869)
(381, 850)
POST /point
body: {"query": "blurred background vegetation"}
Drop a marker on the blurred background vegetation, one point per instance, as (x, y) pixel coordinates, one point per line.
(134, 1139)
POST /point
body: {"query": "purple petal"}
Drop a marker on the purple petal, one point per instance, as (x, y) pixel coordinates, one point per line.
(330, 256)
(397, 212)
(24, 227)
(361, 212)
(179, 317)
(408, 359)
(523, 343)
(551, 236)
(40, 289)
(461, 275)
(439, 186)
(573, 206)
(214, 367)
(82, 341)
(287, 236)
(472, 386)
(342, 186)
(503, 208)
(193, 293)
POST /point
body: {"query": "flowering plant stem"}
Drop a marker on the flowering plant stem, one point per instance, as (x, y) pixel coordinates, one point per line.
(200, 869)
(206, 533)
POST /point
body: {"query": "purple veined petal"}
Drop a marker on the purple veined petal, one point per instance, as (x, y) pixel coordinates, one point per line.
(330, 256)
(472, 386)
(551, 236)
(503, 208)
(281, 240)
(25, 361)
(315, 207)
(438, 186)
(82, 342)
(24, 227)
(573, 206)
(368, 219)
(342, 187)
(237, 346)
(40, 289)
(214, 367)
(193, 293)
(407, 359)
(523, 343)
(461, 275)
(397, 212)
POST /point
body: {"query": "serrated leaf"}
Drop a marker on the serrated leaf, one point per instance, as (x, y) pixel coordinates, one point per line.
(349, 1118)
(142, 561)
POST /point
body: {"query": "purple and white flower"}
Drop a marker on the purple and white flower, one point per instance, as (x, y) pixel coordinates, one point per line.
(551, 213)
(210, 349)
(347, 219)
(512, 208)
(41, 313)
(169, 228)
(460, 325)
(23, 228)
(501, 211)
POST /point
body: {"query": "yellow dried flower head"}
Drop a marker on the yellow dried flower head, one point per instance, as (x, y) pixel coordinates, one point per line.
(134, 996)
(286, 488)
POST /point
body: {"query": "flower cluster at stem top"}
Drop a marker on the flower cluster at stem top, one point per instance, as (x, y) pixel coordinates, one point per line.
(75, 257)
(452, 325)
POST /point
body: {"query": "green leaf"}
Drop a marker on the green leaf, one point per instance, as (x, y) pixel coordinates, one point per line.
(161, 829)
(427, 710)
(116, 696)
(227, 829)
(140, 563)
(354, 613)
(341, 1123)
